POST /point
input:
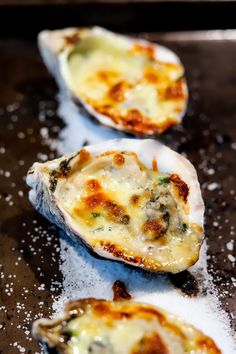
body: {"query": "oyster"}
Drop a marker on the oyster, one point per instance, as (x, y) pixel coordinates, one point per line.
(122, 327)
(128, 84)
(135, 201)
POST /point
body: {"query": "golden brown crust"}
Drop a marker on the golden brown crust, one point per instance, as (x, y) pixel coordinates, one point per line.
(153, 228)
(106, 75)
(133, 121)
(119, 291)
(135, 199)
(181, 187)
(117, 92)
(93, 201)
(93, 185)
(148, 50)
(154, 165)
(208, 344)
(118, 252)
(116, 212)
(84, 157)
(98, 201)
(155, 72)
(150, 344)
(73, 38)
(141, 125)
(119, 159)
(151, 76)
(112, 223)
(175, 91)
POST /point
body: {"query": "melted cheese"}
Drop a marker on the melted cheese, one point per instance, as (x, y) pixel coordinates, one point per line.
(126, 211)
(93, 326)
(113, 336)
(118, 77)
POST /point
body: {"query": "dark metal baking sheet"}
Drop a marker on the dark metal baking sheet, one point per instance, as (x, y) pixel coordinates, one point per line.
(30, 276)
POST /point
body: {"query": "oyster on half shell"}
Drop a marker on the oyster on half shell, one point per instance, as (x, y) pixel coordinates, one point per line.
(135, 201)
(91, 326)
(128, 84)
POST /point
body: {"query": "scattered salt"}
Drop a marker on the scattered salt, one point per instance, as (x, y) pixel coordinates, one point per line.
(213, 186)
(42, 157)
(233, 146)
(21, 135)
(230, 245)
(44, 132)
(211, 171)
(79, 130)
(231, 258)
(7, 174)
(86, 276)
(21, 162)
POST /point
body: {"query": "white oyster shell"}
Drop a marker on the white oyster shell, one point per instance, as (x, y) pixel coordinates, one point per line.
(168, 161)
(132, 322)
(55, 49)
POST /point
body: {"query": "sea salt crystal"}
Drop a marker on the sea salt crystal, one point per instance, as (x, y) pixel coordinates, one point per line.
(42, 157)
(213, 186)
(79, 130)
(21, 135)
(233, 281)
(230, 245)
(211, 171)
(44, 132)
(87, 276)
(231, 258)
(233, 146)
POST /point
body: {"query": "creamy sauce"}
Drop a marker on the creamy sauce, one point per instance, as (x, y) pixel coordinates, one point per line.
(125, 81)
(128, 211)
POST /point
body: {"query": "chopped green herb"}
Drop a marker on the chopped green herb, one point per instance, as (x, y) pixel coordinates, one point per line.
(53, 180)
(184, 227)
(101, 228)
(64, 166)
(163, 180)
(62, 170)
(163, 208)
(95, 215)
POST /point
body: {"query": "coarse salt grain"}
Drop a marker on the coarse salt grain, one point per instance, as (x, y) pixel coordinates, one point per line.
(211, 171)
(213, 186)
(86, 276)
(231, 258)
(230, 245)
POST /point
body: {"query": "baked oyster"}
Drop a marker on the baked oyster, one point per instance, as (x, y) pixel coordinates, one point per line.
(91, 326)
(135, 201)
(128, 84)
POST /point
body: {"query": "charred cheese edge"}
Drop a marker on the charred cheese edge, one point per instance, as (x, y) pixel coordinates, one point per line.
(124, 210)
(123, 327)
(126, 83)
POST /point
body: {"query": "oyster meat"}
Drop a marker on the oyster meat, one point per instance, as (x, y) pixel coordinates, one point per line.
(135, 201)
(91, 326)
(125, 83)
